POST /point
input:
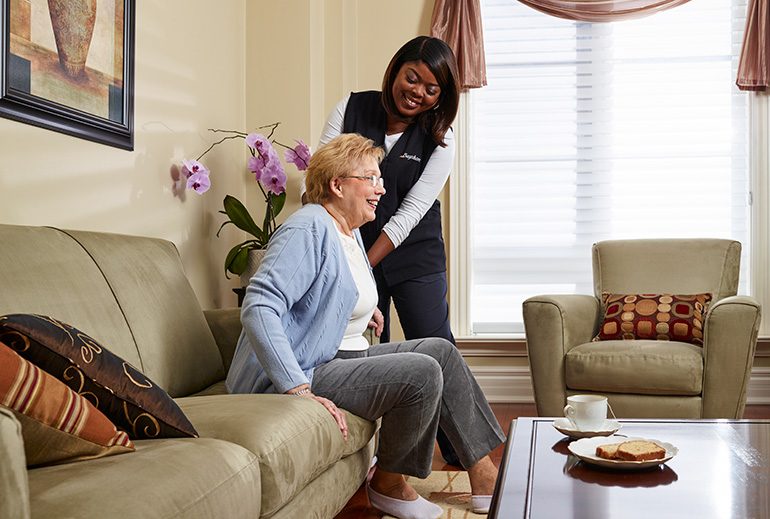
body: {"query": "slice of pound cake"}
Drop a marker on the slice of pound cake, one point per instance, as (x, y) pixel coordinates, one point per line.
(640, 450)
(608, 452)
(634, 450)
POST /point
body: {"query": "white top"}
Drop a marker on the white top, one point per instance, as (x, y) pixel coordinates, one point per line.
(425, 191)
(354, 339)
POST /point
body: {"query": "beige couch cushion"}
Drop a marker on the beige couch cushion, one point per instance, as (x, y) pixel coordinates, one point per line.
(328, 494)
(295, 439)
(174, 478)
(175, 344)
(44, 271)
(639, 367)
(13, 468)
(129, 293)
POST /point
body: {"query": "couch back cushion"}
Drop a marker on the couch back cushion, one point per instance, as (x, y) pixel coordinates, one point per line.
(667, 266)
(127, 292)
(175, 344)
(44, 271)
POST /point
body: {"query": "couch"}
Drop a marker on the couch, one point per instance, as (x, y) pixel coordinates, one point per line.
(256, 455)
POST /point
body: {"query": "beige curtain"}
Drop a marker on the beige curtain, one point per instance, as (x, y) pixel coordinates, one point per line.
(753, 67)
(458, 22)
(601, 10)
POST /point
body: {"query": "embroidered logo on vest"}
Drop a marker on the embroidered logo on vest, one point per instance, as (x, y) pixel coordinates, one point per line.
(410, 157)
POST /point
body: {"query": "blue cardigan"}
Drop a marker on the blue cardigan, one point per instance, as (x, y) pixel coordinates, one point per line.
(296, 306)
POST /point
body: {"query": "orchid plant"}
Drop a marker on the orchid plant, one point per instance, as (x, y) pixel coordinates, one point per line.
(271, 180)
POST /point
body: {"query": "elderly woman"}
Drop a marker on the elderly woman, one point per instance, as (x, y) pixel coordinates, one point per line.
(303, 324)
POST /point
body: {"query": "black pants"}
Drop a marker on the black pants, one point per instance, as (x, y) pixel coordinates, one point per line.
(423, 311)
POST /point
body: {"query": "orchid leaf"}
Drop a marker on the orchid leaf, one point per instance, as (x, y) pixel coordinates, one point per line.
(238, 214)
(237, 260)
(266, 224)
(223, 225)
(278, 202)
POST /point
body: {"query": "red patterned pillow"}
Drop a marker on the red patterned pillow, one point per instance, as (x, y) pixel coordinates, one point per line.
(57, 424)
(662, 317)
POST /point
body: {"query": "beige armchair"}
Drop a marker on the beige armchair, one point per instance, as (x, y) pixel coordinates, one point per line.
(648, 378)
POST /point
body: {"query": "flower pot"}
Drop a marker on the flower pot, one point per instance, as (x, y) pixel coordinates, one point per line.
(73, 27)
(255, 259)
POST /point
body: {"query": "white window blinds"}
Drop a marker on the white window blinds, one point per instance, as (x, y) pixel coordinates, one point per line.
(590, 131)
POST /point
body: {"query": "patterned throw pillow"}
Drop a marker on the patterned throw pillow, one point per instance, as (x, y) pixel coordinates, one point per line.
(662, 317)
(57, 424)
(131, 400)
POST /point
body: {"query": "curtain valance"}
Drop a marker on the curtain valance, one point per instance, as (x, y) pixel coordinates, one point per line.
(458, 22)
(753, 67)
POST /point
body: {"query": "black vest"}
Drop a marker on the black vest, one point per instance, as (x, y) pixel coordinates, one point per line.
(423, 250)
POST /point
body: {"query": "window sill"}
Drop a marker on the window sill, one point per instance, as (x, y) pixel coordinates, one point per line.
(494, 346)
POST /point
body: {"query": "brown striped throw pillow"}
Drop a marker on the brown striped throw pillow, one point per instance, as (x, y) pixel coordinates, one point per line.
(58, 425)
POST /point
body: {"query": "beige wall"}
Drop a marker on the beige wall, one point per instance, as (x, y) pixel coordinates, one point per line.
(202, 64)
(189, 77)
(321, 50)
(303, 56)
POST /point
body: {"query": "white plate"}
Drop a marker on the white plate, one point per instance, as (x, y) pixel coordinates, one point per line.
(565, 427)
(585, 450)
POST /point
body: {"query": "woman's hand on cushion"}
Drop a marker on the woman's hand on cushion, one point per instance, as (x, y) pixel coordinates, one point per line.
(336, 412)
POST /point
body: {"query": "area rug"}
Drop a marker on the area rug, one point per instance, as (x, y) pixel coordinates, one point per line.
(450, 490)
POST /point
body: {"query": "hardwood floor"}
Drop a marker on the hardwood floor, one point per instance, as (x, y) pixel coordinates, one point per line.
(358, 506)
(757, 412)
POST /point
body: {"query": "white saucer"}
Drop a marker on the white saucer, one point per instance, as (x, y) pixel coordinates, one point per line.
(564, 426)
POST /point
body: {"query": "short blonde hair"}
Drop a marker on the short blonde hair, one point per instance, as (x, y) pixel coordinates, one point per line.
(335, 159)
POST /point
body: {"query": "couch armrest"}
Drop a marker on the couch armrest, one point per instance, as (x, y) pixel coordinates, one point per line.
(14, 487)
(729, 341)
(226, 327)
(554, 324)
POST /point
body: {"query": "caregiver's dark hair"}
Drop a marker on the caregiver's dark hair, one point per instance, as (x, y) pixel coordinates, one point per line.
(440, 59)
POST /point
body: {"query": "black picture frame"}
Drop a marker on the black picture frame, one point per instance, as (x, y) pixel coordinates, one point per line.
(115, 95)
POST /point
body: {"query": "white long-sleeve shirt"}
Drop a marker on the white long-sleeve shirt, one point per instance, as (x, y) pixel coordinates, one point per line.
(425, 191)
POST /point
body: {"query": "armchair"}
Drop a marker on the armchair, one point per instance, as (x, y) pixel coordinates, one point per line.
(643, 377)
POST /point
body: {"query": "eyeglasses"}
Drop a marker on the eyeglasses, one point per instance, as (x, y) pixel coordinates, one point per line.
(374, 180)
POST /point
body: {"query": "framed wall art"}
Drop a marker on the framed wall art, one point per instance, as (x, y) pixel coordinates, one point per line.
(68, 65)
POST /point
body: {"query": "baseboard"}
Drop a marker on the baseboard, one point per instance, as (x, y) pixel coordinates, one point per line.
(512, 384)
(505, 384)
(759, 387)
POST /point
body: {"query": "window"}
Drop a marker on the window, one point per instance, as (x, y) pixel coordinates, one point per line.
(593, 131)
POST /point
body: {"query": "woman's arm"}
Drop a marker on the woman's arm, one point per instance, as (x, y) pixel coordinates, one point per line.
(288, 270)
(286, 273)
(381, 247)
(416, 202)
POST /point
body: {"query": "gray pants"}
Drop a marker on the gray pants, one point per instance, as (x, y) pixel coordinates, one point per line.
(413, 386)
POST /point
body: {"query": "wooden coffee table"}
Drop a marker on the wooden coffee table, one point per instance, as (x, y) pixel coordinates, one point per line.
(722, 470)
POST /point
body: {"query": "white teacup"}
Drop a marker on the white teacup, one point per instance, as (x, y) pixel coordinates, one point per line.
(587, 412)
